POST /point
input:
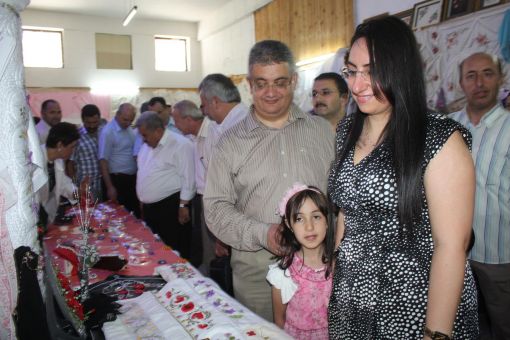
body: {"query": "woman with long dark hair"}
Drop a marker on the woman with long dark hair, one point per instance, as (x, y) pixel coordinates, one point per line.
(404, 182)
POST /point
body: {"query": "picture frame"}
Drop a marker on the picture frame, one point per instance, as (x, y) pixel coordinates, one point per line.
(406, 16)
(483, 4)
(427, 13)
(457, 8)
(378, 16)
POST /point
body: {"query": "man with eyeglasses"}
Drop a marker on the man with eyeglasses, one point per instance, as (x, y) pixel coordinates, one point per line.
(330, 96)
(253, 165)
(489, 123)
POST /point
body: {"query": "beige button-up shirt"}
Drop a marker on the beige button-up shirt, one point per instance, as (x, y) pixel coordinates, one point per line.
(252, 167)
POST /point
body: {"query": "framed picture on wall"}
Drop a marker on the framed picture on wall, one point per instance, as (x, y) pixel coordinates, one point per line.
(427, 13)
(457, 8)
(489, 3)
(405, 16)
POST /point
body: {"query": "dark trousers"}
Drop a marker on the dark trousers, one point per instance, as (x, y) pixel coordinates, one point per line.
(126, 191)
(196, 236)
(494, 299)
(163, 218)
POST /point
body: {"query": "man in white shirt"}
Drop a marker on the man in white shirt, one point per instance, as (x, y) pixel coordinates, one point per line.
(51, 115)
(191, 121)
(165, 182)
(221, 102)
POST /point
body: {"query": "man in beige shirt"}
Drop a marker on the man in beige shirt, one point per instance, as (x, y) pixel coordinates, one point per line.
(255, 162)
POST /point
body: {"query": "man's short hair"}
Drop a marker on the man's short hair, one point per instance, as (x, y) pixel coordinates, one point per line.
(90, 110)
(267, 52)
(46, 103)
(63, 132)
(187, 108)
(144, 107)
(341, 85)
(122, 107)
(494, 58)
(221, 86)
(150, 120)
(155, 100)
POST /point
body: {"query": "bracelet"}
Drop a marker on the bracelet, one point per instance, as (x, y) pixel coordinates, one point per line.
(435, 335)
(182, 205)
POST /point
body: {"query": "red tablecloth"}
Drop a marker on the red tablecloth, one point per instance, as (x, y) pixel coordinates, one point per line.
(116, 232)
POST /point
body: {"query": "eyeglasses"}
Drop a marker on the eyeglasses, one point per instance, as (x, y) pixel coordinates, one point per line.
(279, 84)
(349, 74)
(323, 93)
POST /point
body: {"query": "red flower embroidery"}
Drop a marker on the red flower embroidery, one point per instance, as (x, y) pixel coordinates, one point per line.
(435, 50)
(187, 307)
(197, 315)
(122, 292)
(434, 35)
(139, 286)
(251, 333)
(202, 326)
(179, 299)
(168, 295)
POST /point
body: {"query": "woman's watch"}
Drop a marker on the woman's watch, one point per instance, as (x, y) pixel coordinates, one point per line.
(435, 335)
(183, 205)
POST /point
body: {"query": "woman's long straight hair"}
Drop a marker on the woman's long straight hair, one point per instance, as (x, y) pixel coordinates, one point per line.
(396, 71)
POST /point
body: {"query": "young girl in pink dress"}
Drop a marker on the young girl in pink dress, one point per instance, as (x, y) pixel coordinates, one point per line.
(302, 277)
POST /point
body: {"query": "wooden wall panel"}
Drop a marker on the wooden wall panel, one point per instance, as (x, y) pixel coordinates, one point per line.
(309, 27)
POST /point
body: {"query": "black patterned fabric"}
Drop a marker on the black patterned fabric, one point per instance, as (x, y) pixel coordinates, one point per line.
(30, 314)
(380, 283)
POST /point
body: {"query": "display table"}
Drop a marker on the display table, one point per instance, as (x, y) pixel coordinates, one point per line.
(162, 295)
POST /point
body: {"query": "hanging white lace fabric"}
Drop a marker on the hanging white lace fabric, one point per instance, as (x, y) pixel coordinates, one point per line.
(17, 217)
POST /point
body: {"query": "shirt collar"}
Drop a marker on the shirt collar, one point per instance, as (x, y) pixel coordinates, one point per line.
(116, 125)
(164, 139)
(252, 122)
(490, 117)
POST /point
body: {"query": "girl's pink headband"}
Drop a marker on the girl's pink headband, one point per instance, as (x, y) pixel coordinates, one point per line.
(296, 187)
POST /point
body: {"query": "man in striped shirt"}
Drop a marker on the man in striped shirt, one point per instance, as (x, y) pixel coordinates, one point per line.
(489, 123)
(255, 162)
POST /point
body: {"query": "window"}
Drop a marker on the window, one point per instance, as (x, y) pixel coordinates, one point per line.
(113, 51)
(42, 47)
(172, 53)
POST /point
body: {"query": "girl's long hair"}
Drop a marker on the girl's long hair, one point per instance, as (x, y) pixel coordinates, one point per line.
(396, 71)
(288, 242)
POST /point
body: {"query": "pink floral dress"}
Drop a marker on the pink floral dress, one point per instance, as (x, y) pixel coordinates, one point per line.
(306, 292)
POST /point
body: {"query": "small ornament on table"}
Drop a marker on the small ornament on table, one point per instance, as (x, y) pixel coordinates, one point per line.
(87, 253)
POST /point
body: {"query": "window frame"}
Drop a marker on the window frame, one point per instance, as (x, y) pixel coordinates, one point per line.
(187, 59)
(60, 31)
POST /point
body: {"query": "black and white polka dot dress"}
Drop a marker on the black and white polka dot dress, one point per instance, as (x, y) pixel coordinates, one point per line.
(380, 283)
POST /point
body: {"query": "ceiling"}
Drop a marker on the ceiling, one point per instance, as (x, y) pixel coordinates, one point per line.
(180, 10)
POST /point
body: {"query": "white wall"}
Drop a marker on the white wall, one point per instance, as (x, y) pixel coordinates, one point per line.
(227, 36)
(80, 59)
(227, 50)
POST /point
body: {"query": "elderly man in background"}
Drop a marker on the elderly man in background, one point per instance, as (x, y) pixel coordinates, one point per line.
(221, 102)
(489, 123)
(84, 162)
(255, 162)
(51, 115)
(191, 121)
(330, 96)
(118, 166)
(166, 182)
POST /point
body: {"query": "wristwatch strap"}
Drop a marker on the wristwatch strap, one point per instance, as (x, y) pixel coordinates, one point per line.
(435, 335)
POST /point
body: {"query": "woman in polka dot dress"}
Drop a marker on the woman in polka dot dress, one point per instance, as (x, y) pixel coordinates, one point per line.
(404, 182)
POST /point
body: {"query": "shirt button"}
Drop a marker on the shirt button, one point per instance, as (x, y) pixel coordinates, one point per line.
(285, 175)
(283, 152)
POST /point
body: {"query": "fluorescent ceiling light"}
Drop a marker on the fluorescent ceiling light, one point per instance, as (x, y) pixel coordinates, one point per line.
(315, 60)
(130, 16)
